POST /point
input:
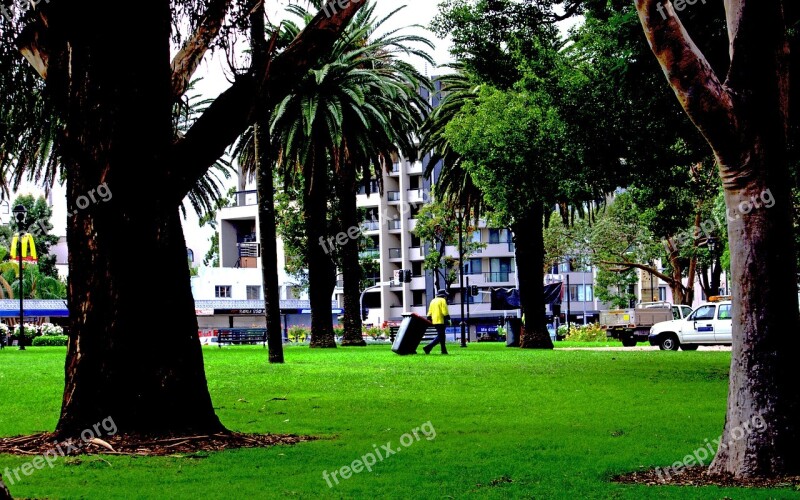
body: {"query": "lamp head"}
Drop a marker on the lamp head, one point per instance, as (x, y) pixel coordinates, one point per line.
(20, 214)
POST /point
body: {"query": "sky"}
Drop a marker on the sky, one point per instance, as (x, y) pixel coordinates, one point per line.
(419, 12)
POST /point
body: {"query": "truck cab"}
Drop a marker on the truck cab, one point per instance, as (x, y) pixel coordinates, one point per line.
(709, 324)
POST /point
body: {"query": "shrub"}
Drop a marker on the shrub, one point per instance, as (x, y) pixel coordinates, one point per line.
(299, 333)
(585, 333)
(338, 331)
(50, 340)
(376, 332)
(4, 329)
(49, 329)
(30, 331)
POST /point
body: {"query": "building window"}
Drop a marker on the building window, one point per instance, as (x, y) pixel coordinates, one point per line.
(473, 266)
(499, 269)
(190, 254)
(418, 297)
(222, 291)
(581, 293)
(499, 236)
(662, 293)
(253, 292)
(476, 236)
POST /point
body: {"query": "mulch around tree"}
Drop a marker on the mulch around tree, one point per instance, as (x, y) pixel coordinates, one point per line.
(699, 476)
(46, 443)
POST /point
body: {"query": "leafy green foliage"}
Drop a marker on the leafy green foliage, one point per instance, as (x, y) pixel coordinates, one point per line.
(586, 333)
(438, 223)
(51, 341)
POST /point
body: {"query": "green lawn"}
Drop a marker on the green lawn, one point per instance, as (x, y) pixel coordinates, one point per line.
(557, 424)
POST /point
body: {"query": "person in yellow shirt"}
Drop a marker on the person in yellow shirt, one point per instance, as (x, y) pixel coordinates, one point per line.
(439, 315)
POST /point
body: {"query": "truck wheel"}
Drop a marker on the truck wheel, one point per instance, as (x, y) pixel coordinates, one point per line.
(669, 342)
(627, 342)
(689, 347)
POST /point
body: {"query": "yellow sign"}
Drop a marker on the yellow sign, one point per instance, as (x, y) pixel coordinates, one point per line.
(28, 248)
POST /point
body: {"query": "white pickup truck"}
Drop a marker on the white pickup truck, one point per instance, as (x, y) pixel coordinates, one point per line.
(633, 325)
(709, 324)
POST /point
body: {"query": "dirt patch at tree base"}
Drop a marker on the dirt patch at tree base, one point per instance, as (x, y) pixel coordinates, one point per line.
(142, 445)
(699, 476)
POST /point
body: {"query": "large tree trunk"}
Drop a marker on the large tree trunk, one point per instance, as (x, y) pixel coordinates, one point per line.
(351, 267)
(529, 243)
(127, 259)
(269, 238)
(266, 201)
(745, 122)
(321, 268)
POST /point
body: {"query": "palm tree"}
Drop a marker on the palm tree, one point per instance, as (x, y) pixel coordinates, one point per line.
(351, 113)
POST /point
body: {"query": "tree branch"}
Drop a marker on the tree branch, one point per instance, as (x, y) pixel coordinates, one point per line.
(186, 61)
(233, 111)
(704, 98)
(633, 265)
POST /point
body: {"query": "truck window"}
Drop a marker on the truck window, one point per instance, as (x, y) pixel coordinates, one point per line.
(703, 313)
(675, 313)
(686, 311)
(724, 311)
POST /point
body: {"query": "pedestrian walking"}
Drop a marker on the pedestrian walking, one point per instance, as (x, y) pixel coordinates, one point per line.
(439, 315)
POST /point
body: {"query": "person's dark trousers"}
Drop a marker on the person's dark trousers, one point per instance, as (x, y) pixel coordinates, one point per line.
(440, 329)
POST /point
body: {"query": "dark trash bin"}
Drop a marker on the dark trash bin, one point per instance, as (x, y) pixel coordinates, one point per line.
(513, 332)
(410, 334)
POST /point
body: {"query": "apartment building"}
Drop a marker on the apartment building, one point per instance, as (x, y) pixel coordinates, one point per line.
(390, 222)
(232, 294)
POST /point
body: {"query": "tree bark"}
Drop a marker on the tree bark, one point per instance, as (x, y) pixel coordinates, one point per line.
(118, 125)
(351, 267)
(529, 253)
(321, 268)
(269, 237)
(266, 199)
(745, 122)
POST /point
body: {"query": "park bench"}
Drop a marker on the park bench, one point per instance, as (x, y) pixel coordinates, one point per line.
(241, 336)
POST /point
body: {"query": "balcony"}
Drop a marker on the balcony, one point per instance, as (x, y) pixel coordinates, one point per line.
(372, 253)
(416, 253)
(370, 225)
(245, 198)
(395, 169)
(412, 224)
(415, 168)
(502, 249)
(392, 196)
(394, 225)
(499, 277)
(395, 253)
(416, 195)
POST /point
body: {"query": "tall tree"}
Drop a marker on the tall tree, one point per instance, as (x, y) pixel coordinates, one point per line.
(745, 120)
(351, 113)
(115, 125)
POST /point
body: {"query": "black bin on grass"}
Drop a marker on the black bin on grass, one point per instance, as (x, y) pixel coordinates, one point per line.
(410, 334)
(513, 331)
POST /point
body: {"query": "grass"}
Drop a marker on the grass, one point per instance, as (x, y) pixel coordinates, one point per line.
(508, 423)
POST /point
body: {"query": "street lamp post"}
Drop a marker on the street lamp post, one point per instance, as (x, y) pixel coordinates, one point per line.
(461, 215)
(712, 249)
(20, 214)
